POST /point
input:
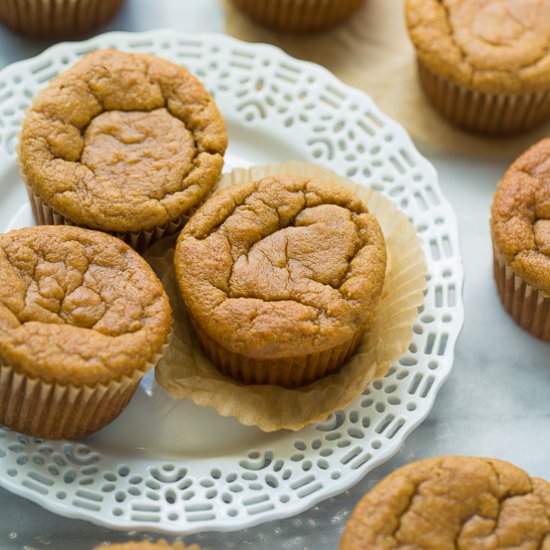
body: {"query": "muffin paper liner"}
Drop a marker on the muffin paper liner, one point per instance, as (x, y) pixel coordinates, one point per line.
(185, 370)
(289, 373)
(498, 114)
(298, 15)
(139, 240)
(527, 305)
(56, 19)
(51, 410)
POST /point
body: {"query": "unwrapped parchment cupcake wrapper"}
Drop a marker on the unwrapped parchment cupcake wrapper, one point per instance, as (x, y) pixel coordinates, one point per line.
(139, 240)
(56, 411)
(298, 15)
(527, 305)
(56, 18)
(185, 371)
(498, 114)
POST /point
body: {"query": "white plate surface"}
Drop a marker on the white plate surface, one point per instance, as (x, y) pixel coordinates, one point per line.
(171, 466)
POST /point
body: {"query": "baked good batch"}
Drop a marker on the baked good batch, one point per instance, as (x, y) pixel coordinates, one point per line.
(299, 15)
(520, 230)
(123, 143)
(82, 319)
(57, 20)
(452, 502)
(485, 65)
(280, 278)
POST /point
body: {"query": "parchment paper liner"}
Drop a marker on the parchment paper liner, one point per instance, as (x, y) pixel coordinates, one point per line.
(63, 411)
(186, 372)
(496, 114)
(55, 19)
(298, 15)
(527, 305)
(44, 214)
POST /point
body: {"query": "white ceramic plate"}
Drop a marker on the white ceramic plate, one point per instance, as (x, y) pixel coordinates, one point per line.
(171, 466)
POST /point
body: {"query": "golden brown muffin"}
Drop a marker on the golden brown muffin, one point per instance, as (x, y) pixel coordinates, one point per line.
(464, 503)
(124, 143)
(82, 318)
(484, 64)
(147, 545)
(520, 229)
(280, 278)
(299, 15)
(53, 19)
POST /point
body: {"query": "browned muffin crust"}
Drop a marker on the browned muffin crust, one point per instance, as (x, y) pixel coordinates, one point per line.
(452, 502)
(122, 142)
(285, 260)
(77, 306)
(488, 45)
(520, 216)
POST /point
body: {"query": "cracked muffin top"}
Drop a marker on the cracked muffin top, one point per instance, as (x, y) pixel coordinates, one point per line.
(122, 142)
(77, 306)
(453, 502)
(495, 46)
(520, 216)
(264, 265)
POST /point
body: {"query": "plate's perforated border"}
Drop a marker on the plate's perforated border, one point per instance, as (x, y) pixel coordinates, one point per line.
(339, 127)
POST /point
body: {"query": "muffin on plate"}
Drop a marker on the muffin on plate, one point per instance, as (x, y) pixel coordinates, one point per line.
(280, 278)
(82, 319)
(57, 20)
(299, 15)
(123, 143)
(452, 502)
(484, 64)
(520, 230)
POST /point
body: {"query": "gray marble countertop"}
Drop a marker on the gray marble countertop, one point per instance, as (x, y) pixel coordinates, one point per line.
(494, 403)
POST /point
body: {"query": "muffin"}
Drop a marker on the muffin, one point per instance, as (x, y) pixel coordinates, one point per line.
(280, 278)
(298, 15)
(452, 502)
(484, 64)
(520, 230)
(82, 319)
(147, 545)
(56, 20)
(124, 143)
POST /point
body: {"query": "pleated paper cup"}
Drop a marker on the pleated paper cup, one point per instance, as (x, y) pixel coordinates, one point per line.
(527, 305)
(186, 371)
(44, 214)
(51, 410)
(56, 19)
(298, 15)
(476, 111)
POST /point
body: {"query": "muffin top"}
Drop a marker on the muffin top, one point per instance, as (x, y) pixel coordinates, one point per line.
(452, 502)
(122, 142)
(77, 306)
(520, 216)
(494, 46)
(264, 265)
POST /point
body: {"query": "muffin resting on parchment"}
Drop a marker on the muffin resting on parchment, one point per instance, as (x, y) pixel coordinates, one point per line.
(123, 143)
(484, 64)
(280, 278)
(82, 319)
